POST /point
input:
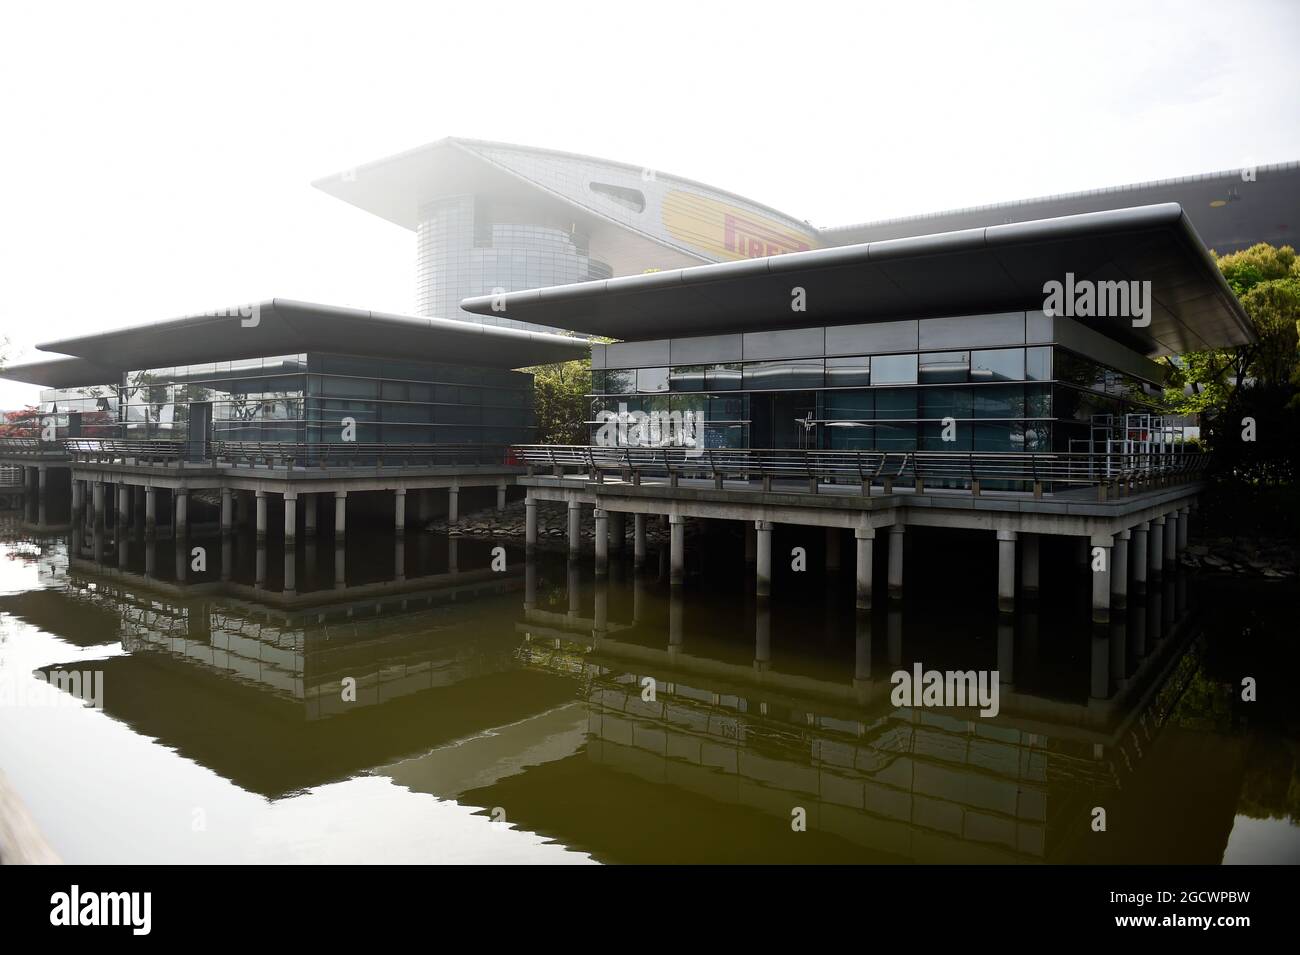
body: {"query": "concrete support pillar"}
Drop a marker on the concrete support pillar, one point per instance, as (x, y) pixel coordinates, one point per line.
(1006, 571)
(1139, 558)
(602, 541)
(1029, 546)
(1119, 571)
(42, 481)
(750, 543)
(1156, 549)
(763, 558)
(865, 539)
(309, 509)
(180, 515)
(501, 496)
(78, 499)
(1171, 541)
(399, 510)
(638, 539)
(261, 513)
(1184, 517)
(97, 503)
(617, 531)
(227, 510)
(150, 511)
(575, 528)
(123, 504)
(290, 516)
(453, 505)
(1101, 573)
(530, 521)
(832, 550)
(340, 513)
(677, 548)
(896, 561)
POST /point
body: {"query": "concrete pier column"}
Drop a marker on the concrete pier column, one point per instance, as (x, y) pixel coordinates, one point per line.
(1119, 571)
(575, 528)
(763, 558)
(1171, 541)
(832, 550)
(453, 505)
(227, 510)
(340, 513)
(530, 521)
(617, 531)
(1139, 559)
(261, 513)
(1101, 578)
(865, 538)
(638, 539)
(1156, 550)
(399, 510)
(501, 496)
(1006, 571)
(78, 499)
(97, 503)
(181, 512)
(602, 541)
(290, 516)
(123, 505)
(1184, 517)
(896, 561)
(1029, 547)
(150, 511)
(751, 546)
(424, 506)
(677, 548)
(42, 481)
(309, 509)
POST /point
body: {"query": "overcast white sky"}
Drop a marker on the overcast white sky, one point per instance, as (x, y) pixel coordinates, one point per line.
(155, 159)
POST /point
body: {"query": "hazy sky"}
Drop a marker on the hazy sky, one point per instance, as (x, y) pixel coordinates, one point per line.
(155, 159)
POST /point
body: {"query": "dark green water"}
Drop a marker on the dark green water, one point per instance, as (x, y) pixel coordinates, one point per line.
(505, 716)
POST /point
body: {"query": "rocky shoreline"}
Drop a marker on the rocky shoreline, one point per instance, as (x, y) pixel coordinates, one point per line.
(1269, 559)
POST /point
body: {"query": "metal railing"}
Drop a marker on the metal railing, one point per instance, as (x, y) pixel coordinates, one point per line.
(968, 470)
(30, 447)
(283, 454)
(123, 451)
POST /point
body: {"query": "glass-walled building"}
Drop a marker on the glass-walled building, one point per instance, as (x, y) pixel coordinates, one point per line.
(1012, 381)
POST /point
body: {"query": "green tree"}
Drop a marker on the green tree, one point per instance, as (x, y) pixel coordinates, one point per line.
(560, 392)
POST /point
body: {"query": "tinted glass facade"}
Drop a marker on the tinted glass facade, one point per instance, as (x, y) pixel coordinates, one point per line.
(1019, 390)
(305, 397)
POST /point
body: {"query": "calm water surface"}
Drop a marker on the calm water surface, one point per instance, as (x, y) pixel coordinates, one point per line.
(502, 716)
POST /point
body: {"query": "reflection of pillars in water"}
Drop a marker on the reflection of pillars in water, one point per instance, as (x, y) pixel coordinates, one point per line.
(1028, 638)
(151, 557)
(1168, 599)
(762, 635)
(309, 561)
(290, 569)
(573, 581)
(1138, 627)
(894, 637)
(677, 548)
(181, 558)
(832, 550)
(453, 555)
(601, 612)
(676, 608)
(1180, 592)
(123, 551)
(1099, 673)
(1006, 649)
(399, 558)
(98, 542)
(638, 595)
(1119, 647)
(227, 557)
(1155, 615)
(75, 539)
(530, 584)
(259, 564)
(340, 564)
(862, 648)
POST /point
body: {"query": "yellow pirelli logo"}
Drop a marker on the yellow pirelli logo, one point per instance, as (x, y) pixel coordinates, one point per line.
(728, 232)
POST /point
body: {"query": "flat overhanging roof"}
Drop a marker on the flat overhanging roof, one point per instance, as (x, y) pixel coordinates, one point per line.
(285, 327)
(60, 373)
(993, 269)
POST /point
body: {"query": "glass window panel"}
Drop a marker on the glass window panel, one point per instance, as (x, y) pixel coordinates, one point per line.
(893, 370)
(850, 404)
(848, 372)
(946, 402)
(1003, 364)
(896, 403)
(787, 374)
(896, 437)
(944, 367)
(999, 401)
(620, 382)
(650, 380)
(686, 378)
(725, 377)
(1038, 364)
